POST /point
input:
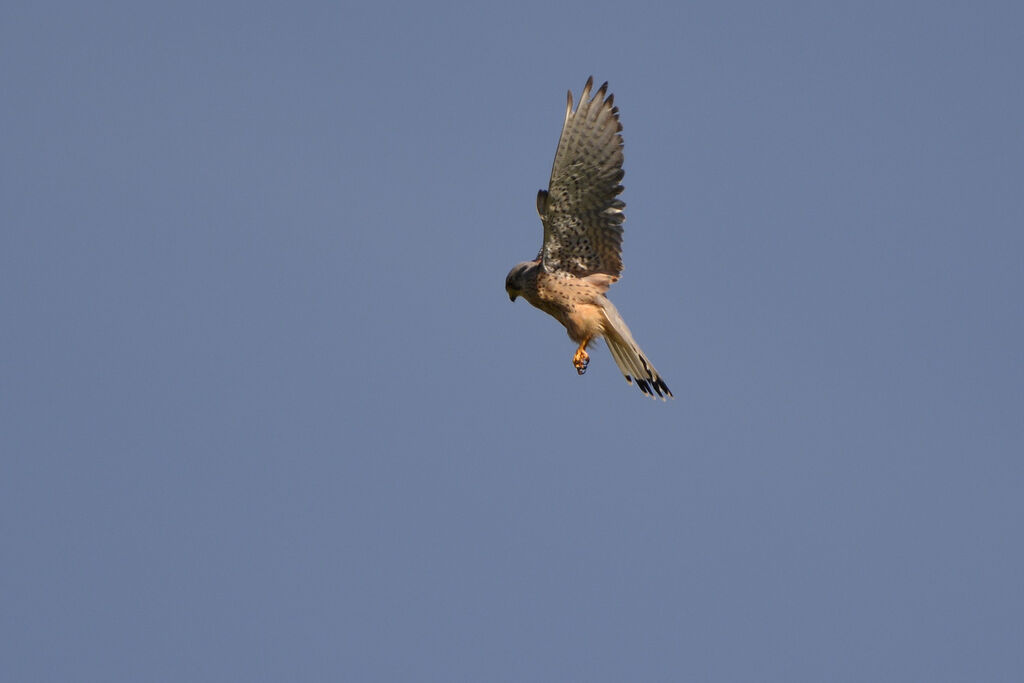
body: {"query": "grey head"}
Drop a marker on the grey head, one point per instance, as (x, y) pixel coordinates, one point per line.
(515, 281)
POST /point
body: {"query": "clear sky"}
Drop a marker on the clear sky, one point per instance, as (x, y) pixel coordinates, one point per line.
(267, 414)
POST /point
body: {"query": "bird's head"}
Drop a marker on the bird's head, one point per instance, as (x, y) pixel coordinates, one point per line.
(514, 281)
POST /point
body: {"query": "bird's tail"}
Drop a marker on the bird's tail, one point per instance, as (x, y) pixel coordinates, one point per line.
(629, 357)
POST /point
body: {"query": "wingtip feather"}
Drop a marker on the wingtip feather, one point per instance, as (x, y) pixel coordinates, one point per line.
(585, 96)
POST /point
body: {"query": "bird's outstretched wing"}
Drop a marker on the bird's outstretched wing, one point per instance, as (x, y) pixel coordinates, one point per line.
(581, 212)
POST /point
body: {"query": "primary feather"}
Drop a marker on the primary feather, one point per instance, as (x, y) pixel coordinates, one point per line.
(581, 212)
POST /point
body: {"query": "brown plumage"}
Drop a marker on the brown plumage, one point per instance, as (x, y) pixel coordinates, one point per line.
(581, 255)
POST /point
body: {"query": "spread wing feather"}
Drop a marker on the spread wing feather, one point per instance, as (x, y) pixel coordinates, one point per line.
(581, 212)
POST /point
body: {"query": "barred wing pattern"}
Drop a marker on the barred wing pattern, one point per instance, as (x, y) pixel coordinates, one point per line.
(581, 212)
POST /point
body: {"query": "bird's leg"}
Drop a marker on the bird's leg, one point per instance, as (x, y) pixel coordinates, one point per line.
(581, 359)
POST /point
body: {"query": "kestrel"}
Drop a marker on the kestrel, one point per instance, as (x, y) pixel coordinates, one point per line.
(581, 255)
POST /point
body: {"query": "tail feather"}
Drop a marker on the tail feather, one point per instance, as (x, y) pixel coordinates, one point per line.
(629, 357)
(627, 361)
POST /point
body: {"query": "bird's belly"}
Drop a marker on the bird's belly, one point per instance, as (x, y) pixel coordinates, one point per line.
(584, 321)
(581, 320)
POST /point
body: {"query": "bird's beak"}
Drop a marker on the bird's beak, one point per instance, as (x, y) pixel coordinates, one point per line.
(511, 297)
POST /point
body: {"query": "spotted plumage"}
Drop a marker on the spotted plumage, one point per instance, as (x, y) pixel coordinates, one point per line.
(581, 255)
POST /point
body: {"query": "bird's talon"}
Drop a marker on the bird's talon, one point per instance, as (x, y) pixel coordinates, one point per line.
(581, 360)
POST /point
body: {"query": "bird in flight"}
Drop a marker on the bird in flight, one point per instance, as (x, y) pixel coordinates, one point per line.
(581, 255)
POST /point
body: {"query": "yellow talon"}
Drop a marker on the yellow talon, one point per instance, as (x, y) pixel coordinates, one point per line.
(581, 359)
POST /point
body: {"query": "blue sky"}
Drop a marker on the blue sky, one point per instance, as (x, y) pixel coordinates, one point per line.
(266, 412)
